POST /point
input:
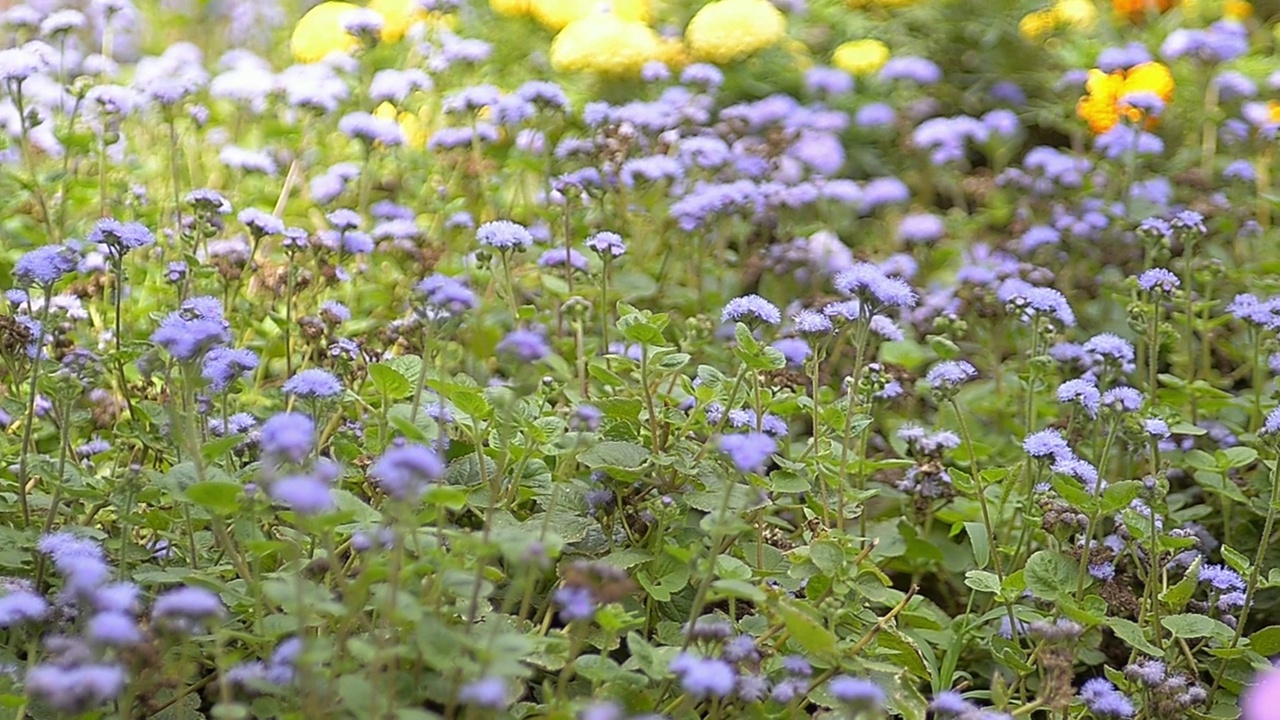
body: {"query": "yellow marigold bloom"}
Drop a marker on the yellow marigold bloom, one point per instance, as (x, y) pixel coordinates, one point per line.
(673, 53)
(557, 14)
(1103, 105)
(1035, 25)
(413, 126)
(860, 57)
(1237, 10)
(397, 17)
(728, 30)
(321, 32)
(510, 8)
(1137, 9)
(1079, 14)
(604, 43)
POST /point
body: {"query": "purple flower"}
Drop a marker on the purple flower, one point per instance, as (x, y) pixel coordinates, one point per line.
(748, 451)
(544, 94)
(1239, 170)
(797, 666)
(75, 689)
(607, 243)
(1122, 57)
(845, 310)
(704, 74)
(525, 345)
(371, 130)
(920, 228)
(470, 99)
(868, 283)
(222, 366)
(856, 691)
(187, 603)
(576, 603)
(489, 693)
(186, 336)
(561, 257)
(914, 69)
(828, 81)
(751, 307)
(950, 704)
(303, 494)
(1124, 399)
(120, 238)
(795, 350)
(1271, 425)
(1109, 346)
(114, 628)
(1104, 700)
(704, 677)
(1046, 443)
(404, 471)
(208, 201)
(21, 606)
(395, 85)
(44, 265)
(1148, 671)
(260, 222)
(287, 436)
(811, 323)
(875, 115)
(1221, 577)
(950, 374)
(313, 383)
(445, 296)
(1083, 391)
(504, 235)
(1158, 280)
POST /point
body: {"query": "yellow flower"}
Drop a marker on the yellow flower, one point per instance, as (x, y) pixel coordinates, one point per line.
(1079, 14)
(1103, 105)
(321, 32)
(673, 53)
(397, 16)
(604, 43)
(860, 57)
(510, 8)
(413, 126)
(728, 30)
(557, 14)
(1237, 10)
(1035, 25)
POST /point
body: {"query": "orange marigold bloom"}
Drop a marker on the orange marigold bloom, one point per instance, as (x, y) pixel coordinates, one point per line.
(1136, 9)
(1104, 104)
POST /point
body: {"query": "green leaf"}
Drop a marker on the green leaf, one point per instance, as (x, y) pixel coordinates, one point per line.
(981, 543)
(1266, 642)
(359, 509)
(1119, 495)
(389, 382)
(1239, 456)
(1050, 575)
(1177, 597)
(614, 453)
(1130, 632)
(983, 581)
(1236, 561)
(643, 333)
(213, 450)
(827, 555)
(737, 588)
(217, 496)
(448, 496)
(1191, 625)
(807, 631)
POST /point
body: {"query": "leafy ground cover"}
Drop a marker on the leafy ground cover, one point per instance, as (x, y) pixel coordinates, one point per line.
(548, 359)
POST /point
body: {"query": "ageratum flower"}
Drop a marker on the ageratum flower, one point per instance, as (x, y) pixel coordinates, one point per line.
(120, 238)
(524, 345)
(751, 307)
(44, 266)
(918, 70)
(561, 257)
(868, 283)
(489, 693)
(445, 296)
(313, 383)
(950, 374)
(404, 471)
(748, 451)
(186, 608)
(607, 243)
(1158, 280)
(304, 494)
(208, 201)
(75, 689)
(223, 366)
(260, 223)
(504, 235)
(287, 436)
(187, 337)
(857, 692)
(371, 130)
(704, 677)
(1104, 700)
(1046, 444)
(21, 606)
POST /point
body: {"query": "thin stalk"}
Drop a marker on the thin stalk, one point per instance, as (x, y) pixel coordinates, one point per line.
(29, 424)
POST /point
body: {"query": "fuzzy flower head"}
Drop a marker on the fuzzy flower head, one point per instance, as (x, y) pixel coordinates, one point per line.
(869, 283)
(1158, 280)
(504, 235)
(725, 31)
(404, 471)
(44, 266)
(861, 57)
(1262, 696)
(948, 375)
(748, 451)
(605, 43)
(749, 308)
(121, 238)
(607, 244)
(313, 383)
(704, 677)
(1109, 95)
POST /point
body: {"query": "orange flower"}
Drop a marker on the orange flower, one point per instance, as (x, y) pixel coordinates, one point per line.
(1104, 104)
(1137, 9)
